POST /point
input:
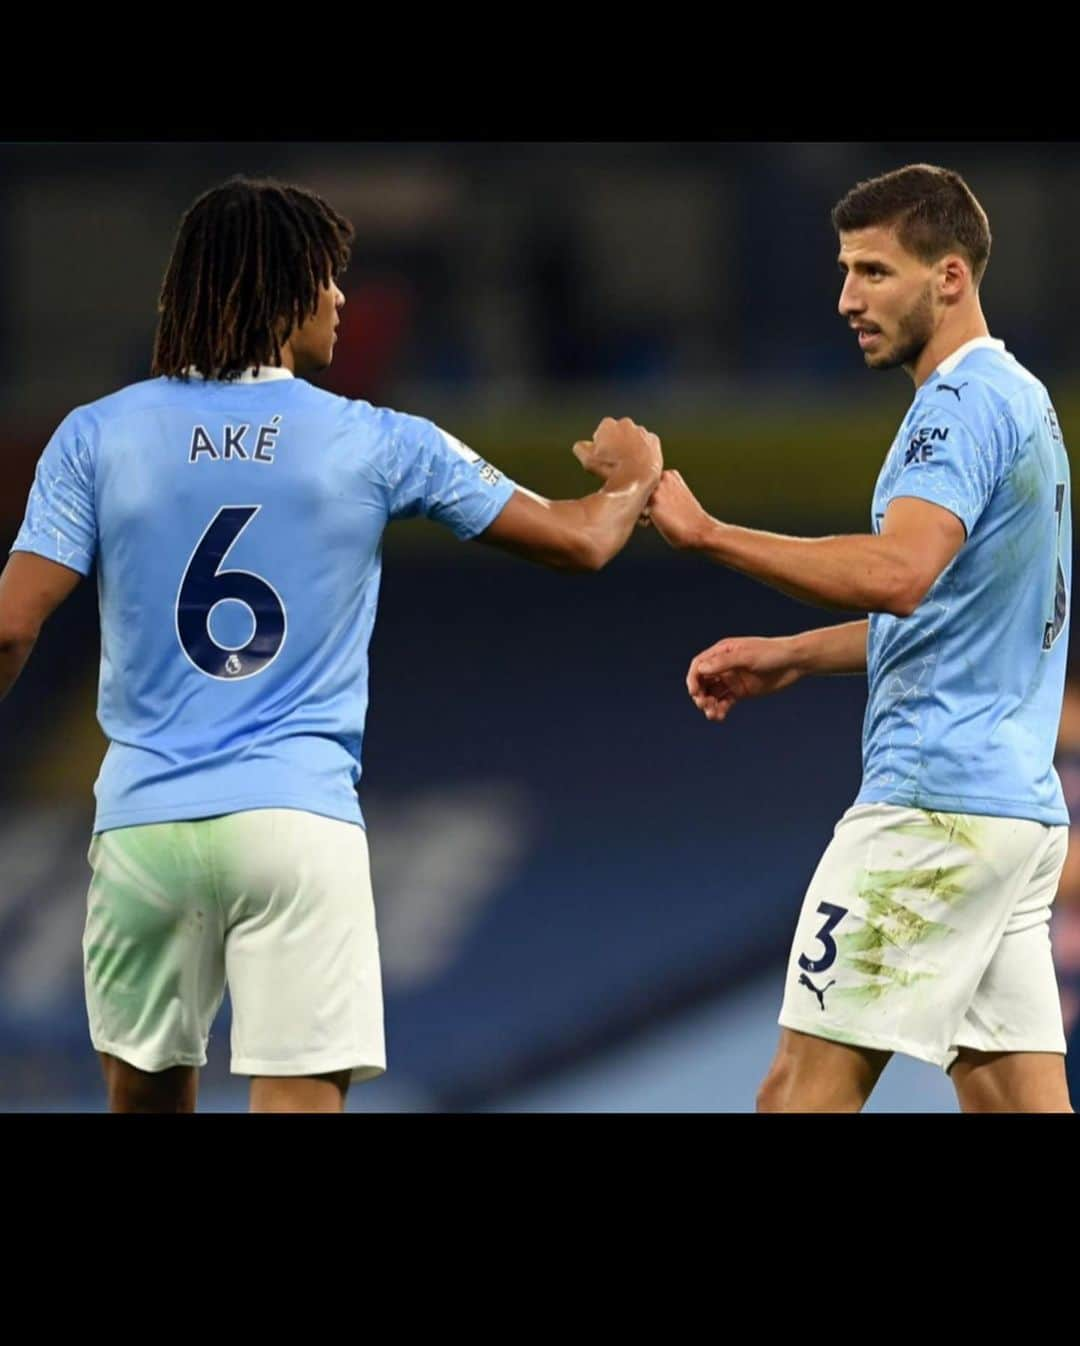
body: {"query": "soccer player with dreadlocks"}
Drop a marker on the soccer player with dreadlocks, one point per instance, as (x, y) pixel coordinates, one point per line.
(234, 513)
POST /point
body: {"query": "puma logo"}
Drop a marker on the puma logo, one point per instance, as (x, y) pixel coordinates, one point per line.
(948, 388)
(804, 980)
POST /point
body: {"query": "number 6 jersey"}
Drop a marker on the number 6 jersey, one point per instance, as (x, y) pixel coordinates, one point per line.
(236, 528)
(965, 694)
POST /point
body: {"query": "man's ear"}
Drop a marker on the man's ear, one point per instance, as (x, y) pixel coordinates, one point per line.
(954, 276)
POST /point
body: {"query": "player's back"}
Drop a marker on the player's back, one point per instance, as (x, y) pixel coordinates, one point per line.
(237, 530)
(965, 694)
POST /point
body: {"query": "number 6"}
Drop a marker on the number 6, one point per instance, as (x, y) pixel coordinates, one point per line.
(205, 585)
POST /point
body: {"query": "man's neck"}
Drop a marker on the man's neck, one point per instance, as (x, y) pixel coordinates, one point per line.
(955, 332)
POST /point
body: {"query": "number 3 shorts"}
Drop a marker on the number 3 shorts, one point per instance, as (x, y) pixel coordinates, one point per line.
(925, 932)
(275, 902)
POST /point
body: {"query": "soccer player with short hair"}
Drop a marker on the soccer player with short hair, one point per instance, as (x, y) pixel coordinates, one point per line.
(235, 513)
(925, 926)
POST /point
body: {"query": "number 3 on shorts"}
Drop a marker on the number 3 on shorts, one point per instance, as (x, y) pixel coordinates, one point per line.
(833, 916)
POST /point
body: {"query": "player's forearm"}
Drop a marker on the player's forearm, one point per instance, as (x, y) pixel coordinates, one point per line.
(598, 526)
(858, 571)
(830, 649)
(14, 652)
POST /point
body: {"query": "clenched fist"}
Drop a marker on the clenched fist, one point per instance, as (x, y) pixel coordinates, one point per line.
(620, 448)
(676, 514)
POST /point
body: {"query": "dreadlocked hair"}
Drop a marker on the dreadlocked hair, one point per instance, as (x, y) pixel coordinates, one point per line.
(249, 260)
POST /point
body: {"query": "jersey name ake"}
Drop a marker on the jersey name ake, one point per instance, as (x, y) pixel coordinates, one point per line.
(231, 443)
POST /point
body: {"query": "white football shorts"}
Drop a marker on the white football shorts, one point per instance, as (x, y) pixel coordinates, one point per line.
(925, 932)
(274, 902)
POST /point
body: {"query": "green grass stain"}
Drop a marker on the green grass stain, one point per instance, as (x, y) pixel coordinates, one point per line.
(879, 888)
(898, 928)
(896, 975)
(959, 829)
(891, 900)
(140, 920)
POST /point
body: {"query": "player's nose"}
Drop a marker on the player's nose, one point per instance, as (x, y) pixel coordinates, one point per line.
(850, 301)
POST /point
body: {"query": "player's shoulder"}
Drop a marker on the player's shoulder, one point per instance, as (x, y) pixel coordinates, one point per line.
(395, 432)
(384, 418)
(132, 396)
(380, 441)
(986, 390)
(999, 377)
(100, 408)
(354, 411)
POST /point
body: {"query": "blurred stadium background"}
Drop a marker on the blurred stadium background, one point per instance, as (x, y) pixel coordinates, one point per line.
(585, 893)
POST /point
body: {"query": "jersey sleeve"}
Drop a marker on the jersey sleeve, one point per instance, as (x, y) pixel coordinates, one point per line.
(427, 471)
(60, 521)
(955, 459)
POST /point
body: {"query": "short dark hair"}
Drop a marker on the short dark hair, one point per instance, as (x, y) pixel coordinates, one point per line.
(246, 267)
(933, 210)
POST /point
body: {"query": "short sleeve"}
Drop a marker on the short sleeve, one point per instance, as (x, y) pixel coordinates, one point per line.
(429, 472)
(60, 521)
(954, 460)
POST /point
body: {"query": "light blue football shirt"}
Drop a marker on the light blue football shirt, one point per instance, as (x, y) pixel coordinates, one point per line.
(965, 694)
(236, 528)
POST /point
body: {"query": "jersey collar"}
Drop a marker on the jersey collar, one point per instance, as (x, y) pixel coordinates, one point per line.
(979, 343)
(256, 374)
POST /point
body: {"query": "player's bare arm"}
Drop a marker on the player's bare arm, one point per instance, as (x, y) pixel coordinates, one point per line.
(889, 572)
(742, 667)
(585, 534)
(31, 588)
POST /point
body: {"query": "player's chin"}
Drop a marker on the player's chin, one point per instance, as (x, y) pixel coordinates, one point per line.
(319, 364)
